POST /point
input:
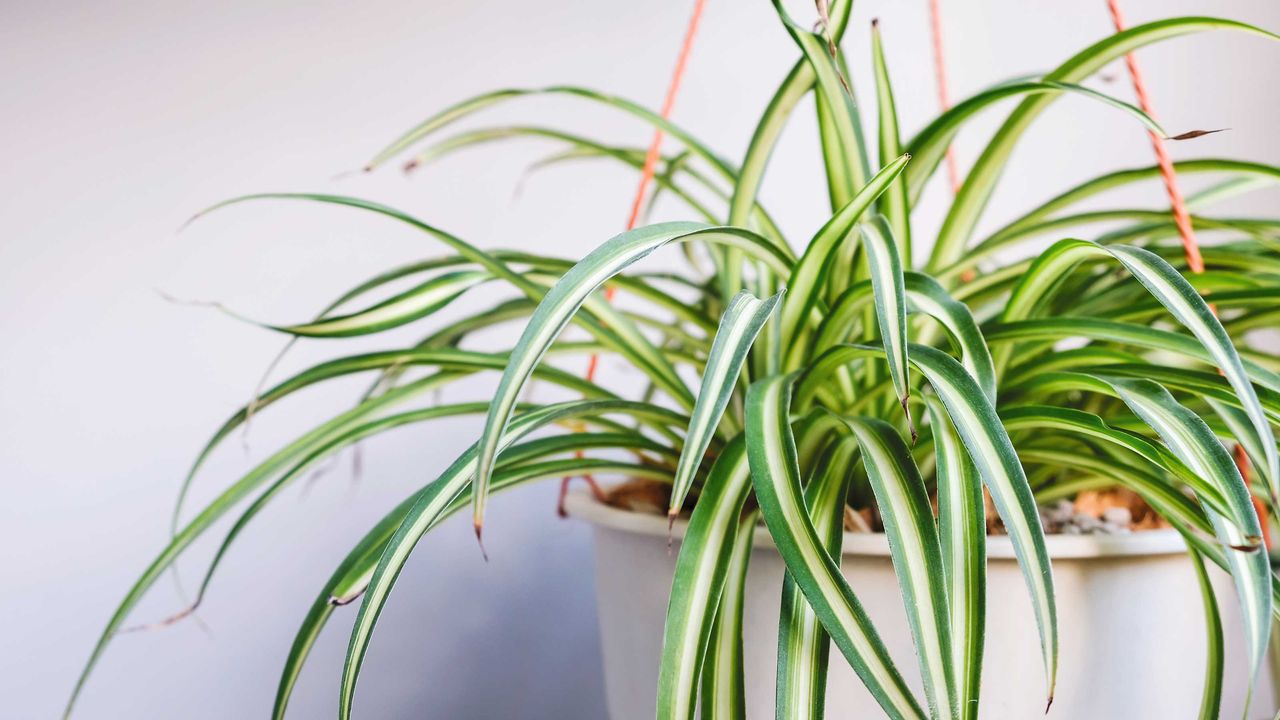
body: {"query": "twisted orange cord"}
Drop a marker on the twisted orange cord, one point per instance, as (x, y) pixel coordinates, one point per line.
(940, 75)
(655, 145)
(1182, 219)
(650, 167)
(1180, 216)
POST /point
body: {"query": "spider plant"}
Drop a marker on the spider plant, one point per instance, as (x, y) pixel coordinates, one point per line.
(828, 367)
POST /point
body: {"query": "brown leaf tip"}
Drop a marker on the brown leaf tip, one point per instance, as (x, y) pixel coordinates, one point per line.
(910, 424)
(480, 540)
(1193, 134)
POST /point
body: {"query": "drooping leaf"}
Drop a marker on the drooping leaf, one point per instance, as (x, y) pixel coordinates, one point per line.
(804, 647)
(741, 322)
(771, 452)
(701, 568)
(993, 454)
(560, 304)
(723, 685)
(962, 531)
(980, 183)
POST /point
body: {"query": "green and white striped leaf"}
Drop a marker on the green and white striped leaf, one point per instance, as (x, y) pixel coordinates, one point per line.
(775, 475)
(560, 304)
(604, 322)
(804, 648)
(1215, 660)
(1237, 169)
(917, 555)
(1052, 330)
(993, 454)
(739, 325)
(926, 296)
(352, 575)
(1177, 296)
(978, 186)
(808, 278)
(887, 284)
(962, 531)
(930, 145)
(699, 579)
(1089, 425)
(431, 502)
(894, 206)
(1194, 443)
(723, 692)
(239, 491)
(402, 309)
(456, 363)
(1237, 422)
(797, 83)
(840, 121)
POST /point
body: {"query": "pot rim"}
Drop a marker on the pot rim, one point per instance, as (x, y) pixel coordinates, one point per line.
(1165, 541)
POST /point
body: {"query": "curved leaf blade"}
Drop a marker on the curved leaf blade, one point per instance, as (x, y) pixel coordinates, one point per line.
(771, 453)
(963, 534)
(804, 648)
(739, 326)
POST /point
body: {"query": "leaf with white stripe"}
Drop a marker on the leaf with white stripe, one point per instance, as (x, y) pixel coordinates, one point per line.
(1237, 421)
(1215, 660)
(1178, 297)
(804, 648)
(885, 267)
(403, 308)
(809, 275)
(1191, 440)
(972, 199)
(723, 683)
(924, 295)
(839, 120)
(352, 575)
(699, 579)
(992, 453)
(739, 326)
(560, 304)
(917, 555)
(434, 500)
(930, 145)
(894, 206)
(962, 530)
(775, 475)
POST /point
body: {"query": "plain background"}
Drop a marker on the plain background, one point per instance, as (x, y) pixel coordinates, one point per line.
(121, 119)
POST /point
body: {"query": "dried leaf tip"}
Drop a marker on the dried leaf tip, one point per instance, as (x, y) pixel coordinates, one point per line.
(410, 166)
(1048, 705)
(188, 222)
(1193, 134)
(875, 23)
(480, 540)
(911, 426)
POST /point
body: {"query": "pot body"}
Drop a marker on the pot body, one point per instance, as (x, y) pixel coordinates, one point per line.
(1130, 618)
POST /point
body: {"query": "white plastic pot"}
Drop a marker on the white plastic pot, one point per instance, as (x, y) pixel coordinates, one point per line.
(1130, 619)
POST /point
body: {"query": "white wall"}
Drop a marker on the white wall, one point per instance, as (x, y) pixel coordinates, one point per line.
(120, 119)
